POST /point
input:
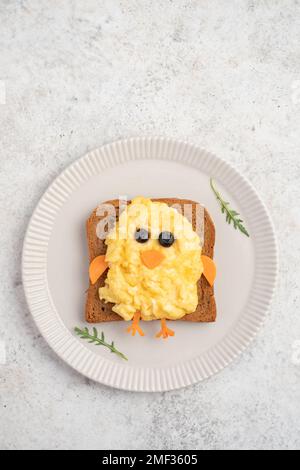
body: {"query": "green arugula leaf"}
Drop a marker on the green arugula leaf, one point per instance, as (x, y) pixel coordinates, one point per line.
(232, 216)
(94, 338)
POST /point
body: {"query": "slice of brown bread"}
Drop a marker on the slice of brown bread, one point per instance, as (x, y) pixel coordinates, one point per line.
(98, 311)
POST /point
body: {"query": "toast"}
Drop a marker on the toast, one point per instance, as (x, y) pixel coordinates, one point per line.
(97, 311)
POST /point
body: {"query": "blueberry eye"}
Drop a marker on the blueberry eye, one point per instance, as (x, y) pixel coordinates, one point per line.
(142, 235)
(166, 239)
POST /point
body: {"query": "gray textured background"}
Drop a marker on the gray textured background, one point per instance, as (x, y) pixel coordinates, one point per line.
(221, 74)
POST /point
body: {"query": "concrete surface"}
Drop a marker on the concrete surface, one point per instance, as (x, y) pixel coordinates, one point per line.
(221, 74)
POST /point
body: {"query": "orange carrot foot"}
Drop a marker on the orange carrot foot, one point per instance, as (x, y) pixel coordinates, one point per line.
(135, 327)
(165, 332)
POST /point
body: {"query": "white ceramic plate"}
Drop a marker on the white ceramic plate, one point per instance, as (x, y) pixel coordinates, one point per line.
(55, 264)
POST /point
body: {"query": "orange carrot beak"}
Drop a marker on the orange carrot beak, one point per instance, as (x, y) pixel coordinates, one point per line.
(152, 258)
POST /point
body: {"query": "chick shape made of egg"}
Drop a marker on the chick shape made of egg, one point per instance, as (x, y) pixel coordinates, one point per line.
(169, 291)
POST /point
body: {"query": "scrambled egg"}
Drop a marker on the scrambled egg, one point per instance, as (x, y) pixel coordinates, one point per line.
(169, 291)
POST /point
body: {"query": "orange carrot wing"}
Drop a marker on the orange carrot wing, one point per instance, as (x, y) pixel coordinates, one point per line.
(210, 269)
(97, 267)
